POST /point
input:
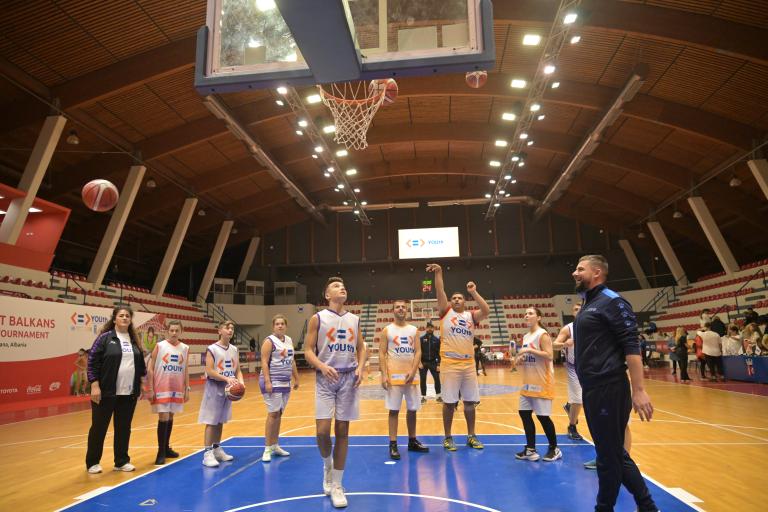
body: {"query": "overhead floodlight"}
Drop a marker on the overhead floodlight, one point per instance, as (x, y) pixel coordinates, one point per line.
(541, 117)
(549, 69)
(341, 153)
(518, 83)
(329, 129)
(513, 182)
(299, 133)
(515, 158)
(314, 98)
(356, 212)
(327, 175)
(314, 156)
(345, 203)
(331, 169)
(318, 149)
(521, 163)
(487, 196)
(555, 85)
(570, 18)
(494, 163)
(492, 182)
(507, 176)
(575, 39)
(34, 210)
(303, 123)
(357, 190)
(279, 103)
(496, 205)
(340, 185)
(535, 107)
(364, 203)
(529, 143)
(508, 116)
(351, 172)
(523, 136)
(531, 39)
(501, 143)
(282, 90)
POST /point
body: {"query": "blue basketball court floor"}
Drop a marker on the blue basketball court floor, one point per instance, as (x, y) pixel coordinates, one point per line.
(439, 481)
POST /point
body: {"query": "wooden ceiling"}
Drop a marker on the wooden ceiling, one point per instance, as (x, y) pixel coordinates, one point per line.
(125, 78)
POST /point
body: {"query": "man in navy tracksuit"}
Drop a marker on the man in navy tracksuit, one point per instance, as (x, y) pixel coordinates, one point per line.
(607, 342)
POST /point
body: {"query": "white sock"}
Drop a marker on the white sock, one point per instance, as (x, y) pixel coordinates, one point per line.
(336, 476)
(272, 447)
(328, 461)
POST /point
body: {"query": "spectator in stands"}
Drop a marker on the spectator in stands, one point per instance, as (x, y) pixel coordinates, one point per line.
(732, 342)
(80, 376)
(718, 326)
(115, 368)
(479, 356)
(749, 338)
(750, 316)
(705, 317)
(430, 362)
(681, 351)
(712, 352)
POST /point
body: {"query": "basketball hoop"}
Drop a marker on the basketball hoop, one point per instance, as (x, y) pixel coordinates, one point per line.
(353, 105)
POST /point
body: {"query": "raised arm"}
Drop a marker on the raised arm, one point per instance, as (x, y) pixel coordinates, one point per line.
(485, 309)
(442, 298)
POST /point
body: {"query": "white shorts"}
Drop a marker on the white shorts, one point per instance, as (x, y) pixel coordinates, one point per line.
(340, 400)
(459, 383)
(395, 394)
(539, 406)
(574, 388)
(215, 407)
(276, 401)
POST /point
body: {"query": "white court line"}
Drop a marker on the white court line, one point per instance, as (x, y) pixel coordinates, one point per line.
(712, 425)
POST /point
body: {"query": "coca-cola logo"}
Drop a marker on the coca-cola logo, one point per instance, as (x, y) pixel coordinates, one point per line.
(34, 390)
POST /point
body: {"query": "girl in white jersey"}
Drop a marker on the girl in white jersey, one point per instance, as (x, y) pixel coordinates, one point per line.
(221, 369)
(535, 362)
(278, 367)
(168, 386)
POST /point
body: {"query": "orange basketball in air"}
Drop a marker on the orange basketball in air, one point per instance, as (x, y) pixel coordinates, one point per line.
(100, 195)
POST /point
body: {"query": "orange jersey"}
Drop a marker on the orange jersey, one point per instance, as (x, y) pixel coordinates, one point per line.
(538, 372)
(456, 337)
(401, 352)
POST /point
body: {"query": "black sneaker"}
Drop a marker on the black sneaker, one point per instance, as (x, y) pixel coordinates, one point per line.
(160, 459)
(528, 454)
(414, 445)
(573, 434)
(394, 453)
(552, 455)
(170, 454)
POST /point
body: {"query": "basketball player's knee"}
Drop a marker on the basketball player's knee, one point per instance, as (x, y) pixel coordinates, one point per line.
(450, 406)
(526, 414)
(275, 415)
(470, 406)
(394, 412)
(341, 429)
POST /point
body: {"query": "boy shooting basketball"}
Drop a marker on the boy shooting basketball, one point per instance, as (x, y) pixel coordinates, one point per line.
(336, 349)
(457, 364)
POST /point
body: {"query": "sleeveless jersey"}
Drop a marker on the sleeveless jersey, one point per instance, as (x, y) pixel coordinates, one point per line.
(456, 342)
(225, 361)
(169, 382)
(570, 355)
(337, 339)
(538, 372)
(401, 351)
(280, 363)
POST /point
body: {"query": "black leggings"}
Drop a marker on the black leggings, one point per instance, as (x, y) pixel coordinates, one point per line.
(530, 429)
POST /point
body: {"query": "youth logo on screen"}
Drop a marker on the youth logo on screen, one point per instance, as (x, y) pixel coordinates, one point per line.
(415, 243)
(428, 243)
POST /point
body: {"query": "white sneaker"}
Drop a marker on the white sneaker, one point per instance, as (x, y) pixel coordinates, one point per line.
(338, 500)
(209, 459)
(267, 455)
(280, 452)
(552, 455)
(127, 467)
(221, 455)
(96, 468)
(327, 480)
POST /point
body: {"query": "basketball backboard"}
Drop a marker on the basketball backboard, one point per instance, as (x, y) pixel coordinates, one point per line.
(249, 44)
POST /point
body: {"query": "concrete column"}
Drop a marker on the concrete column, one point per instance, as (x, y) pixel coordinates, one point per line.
(668, 253)
(635, 264)
(248, 261)
(715, 237)
(179, 232)
(213, 263)
(116, 225)
(760, 172)
(30, 181)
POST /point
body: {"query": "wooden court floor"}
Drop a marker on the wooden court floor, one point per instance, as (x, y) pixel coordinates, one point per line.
(713, 443)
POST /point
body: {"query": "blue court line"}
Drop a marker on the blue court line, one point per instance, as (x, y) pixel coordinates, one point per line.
(465, 480)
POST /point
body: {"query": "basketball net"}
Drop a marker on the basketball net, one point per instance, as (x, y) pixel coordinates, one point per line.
(353, 105)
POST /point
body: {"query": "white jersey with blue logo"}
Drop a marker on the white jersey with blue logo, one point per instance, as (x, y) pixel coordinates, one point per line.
(225, 360)
(337, 336)
(401, 352)
(280, 361)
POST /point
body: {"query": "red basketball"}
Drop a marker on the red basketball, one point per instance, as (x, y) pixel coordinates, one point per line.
(234, 391)
(476, 79)
(388, 86)
(100, 195)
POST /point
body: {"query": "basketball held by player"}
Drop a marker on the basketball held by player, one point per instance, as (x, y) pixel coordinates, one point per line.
(222, 369)
(278, 366)
(534, 359)
(457, 363)
(336, 349)
(400, 353)
(168, 380)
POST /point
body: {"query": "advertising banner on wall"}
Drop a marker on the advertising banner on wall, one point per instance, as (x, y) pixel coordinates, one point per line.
(39, 343)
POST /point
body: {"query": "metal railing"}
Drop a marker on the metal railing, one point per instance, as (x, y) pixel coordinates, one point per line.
(736, 295)
(668, 294)
(66, 282)
(240, 338)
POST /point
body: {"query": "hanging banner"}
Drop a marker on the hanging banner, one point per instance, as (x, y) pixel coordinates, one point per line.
(39, 342)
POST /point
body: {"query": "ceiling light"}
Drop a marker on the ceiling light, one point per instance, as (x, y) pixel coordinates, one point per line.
(735, 182)
(342, 152)
(313, 98)
(507, 176)
(570, 18)
(641, 235)
(299, 133)
(515, 158)
(523, 136)
(513, 182)
(314, 156)
(501, 143)
(72, 138)
(555, 85)
(234, 231)
(303, 123)
(351, 172)
(326, 175)
(282, 90)
(507, 194)
(345, 203)
(337, 189)
(518, 83)
(494, 163)
(531, 39)
(529, 143)
(279, 103)
(151, 183)
(492, 182)
(549, 69)
(575, 39)
(2, 212)
(521, 164)
(508, 116)
(329, 129)
(541, 117)
(496, 205)
(331, 169)
(201, 212)
(340, 185)
(677, 214)
(35, 210)
(364, 203)
(265, 5)
(356, 212)
(357, 190)
(318, 149)
(487, 196)
(535, 107)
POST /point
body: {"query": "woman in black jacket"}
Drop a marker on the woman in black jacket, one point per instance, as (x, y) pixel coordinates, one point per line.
(681, 350)
(115, 368)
